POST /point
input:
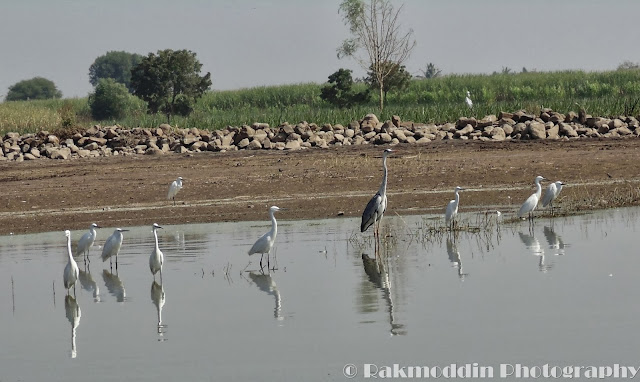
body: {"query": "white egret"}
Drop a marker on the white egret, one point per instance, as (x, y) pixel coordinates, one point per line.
(263, 245)
(532, 201)
(156, 259)
(112, 246)
(175, 186)
(71, 271)
(467, 99)
(551, 193)
(86, 242)
(376, 207)
(452, 209)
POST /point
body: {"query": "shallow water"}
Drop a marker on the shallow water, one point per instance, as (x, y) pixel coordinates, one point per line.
(563, 294)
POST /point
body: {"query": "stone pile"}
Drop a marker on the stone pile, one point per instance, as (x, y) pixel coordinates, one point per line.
(115, 140)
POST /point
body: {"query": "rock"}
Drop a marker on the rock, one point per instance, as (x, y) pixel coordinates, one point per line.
(370, 118)
(153, 151)
(53, 140)
(567, 130)
(616, 123)
(243, 143)
(488, 120)
(508, 129)
(29, 156)
(464, 131)
(199, 146)
(292, 145)
(383, 138)
(464, 122)
(254, 145)
(498, 134)
(553, 131)
(400, 135)
(622, 131)
(60, 153)
(522, 116)
(423, 140)
(395, 120)
(536, 130)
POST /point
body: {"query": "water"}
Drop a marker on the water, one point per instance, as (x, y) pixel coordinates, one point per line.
(563, 294)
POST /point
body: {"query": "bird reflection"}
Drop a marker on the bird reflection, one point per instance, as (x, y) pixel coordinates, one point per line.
(266, 284)
(454, 257)
(73, 313)
(379, 277)
(556, 244)
(157, 297)
(88, 284)
(114, 285)
(533, 245)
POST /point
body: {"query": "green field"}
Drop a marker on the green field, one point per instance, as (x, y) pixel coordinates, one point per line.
(436, 100)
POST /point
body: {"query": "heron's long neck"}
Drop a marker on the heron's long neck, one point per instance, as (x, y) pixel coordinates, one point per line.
(155, 235)
(457, 197)
(383, 186)
(274, 226)
(69, 248)
(538, 189)
(93, 232)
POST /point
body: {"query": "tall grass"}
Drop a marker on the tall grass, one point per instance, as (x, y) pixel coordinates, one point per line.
(436, 100)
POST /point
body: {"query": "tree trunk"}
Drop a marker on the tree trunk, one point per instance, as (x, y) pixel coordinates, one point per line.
(381, 97)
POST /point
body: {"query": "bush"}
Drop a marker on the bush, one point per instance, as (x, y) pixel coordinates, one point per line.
(111, 100)
(35, 88)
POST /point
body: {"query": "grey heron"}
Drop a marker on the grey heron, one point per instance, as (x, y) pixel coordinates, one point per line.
(376, 207)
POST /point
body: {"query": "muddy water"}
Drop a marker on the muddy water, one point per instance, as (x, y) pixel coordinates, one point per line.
(561, 293)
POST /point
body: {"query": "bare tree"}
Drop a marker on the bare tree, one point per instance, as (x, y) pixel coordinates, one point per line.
(376, 31)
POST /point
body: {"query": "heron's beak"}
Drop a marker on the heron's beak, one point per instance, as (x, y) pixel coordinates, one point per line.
(125, 230)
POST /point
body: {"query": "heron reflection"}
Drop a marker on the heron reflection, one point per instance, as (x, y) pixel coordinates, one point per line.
(88, 283)
(379, 277)
(454, 257)
(73, 313)
(266, 284)
(556, 244)
(533, 245)
(157, 297)
(114, 285)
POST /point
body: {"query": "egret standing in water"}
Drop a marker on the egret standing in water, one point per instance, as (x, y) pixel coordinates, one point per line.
(452, 209)
(156, 259)
(175, 186)
(86, 242)
(112, 246)
(551, 194)
(532, 201)
(376, 207)
(467, 99)
(265, 243)
(71, 271)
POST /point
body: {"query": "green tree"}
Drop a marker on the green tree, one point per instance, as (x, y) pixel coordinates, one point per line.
(112, 100)
(339, 90)
(35, 88)
(116, 65)
(376, 31)
(398, 78)
(430, 72)
(170, 81)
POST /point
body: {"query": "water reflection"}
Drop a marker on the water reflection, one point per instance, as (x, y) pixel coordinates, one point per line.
(378, 275)
(533, 245)
(73, 313)
(157, 297)
(114, 285)
(556, 244)
(88, 284)
(454, 257)
(266, 284)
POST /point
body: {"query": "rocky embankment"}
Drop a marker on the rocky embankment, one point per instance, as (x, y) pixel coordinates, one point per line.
(115, 140)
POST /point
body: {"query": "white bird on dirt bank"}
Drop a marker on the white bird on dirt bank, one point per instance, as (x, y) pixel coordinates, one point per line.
(175, 186)
(551, 193)
(112, 246)
(86, 242)
(71, 271)
(532, 201)
(156, 259)
(452, 209)
(376, 207)
(265, 243)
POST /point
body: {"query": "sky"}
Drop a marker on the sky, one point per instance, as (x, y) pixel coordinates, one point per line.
(248, 43)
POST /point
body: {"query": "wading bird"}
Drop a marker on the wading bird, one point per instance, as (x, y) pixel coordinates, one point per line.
(71, 270)
(551, 193)
(532, 201)
(86, 242)
(452, 209)
(263, 245)
(467, 99)
(175, 186)
(112, 246)
(376, 207)
(156, 259)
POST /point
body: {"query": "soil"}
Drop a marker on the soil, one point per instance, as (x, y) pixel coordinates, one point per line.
(48, 195)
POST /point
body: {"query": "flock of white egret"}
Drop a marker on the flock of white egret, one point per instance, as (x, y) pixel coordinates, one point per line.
(373, 213)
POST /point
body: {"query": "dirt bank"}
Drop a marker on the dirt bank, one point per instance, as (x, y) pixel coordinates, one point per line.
(45, 195)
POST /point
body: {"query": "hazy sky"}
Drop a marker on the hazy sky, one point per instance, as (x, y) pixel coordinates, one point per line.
(252, 43)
